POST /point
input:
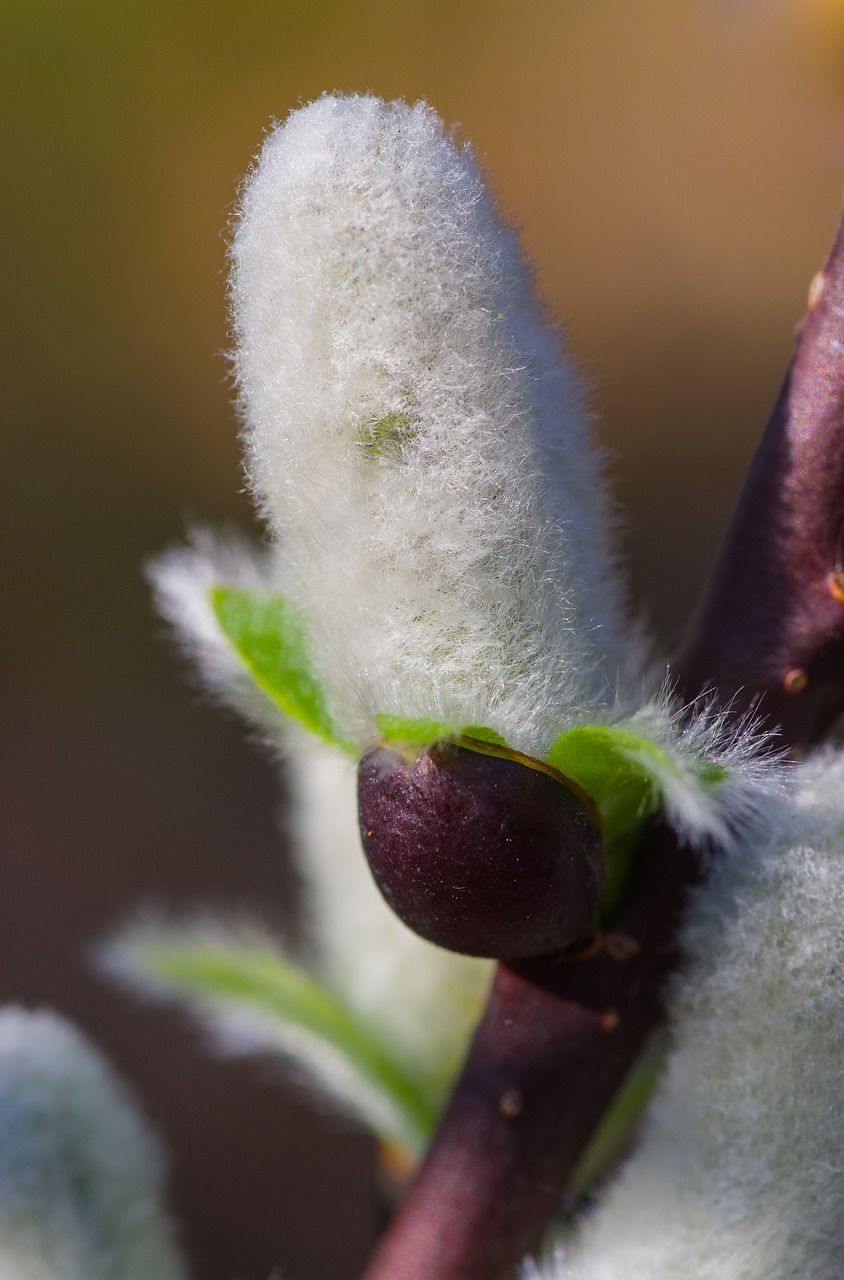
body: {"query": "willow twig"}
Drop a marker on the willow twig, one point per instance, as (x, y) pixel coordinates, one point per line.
(558, 1036)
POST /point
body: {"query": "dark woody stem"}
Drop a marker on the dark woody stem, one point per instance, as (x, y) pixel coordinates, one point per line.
(770, 628)
(555, 1043)
(559, 1036)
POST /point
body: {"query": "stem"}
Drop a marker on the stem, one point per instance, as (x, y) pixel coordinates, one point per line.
(555, 1043)
(559, 1036)
(770, 629)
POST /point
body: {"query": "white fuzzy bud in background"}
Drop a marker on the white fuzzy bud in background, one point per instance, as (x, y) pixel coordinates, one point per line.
(417, 440)
(80, 1174)
(740, 1171)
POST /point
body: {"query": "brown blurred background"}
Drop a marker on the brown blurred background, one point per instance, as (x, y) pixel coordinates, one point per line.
(677, 170)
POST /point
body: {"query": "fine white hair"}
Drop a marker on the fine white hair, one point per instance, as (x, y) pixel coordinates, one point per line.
(417, 440)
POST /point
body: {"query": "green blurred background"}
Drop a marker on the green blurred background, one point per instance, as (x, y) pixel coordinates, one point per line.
(677, 170)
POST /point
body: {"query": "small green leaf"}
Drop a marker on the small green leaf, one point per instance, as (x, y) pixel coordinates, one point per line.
(226, 979)
(407, 732)
(478, 734)
(268, 636)
(711, 772)
(617, 769)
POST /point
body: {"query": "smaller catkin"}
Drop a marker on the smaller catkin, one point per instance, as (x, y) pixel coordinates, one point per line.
(80, 1175)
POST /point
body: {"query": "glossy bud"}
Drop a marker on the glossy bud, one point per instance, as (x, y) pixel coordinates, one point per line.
(480, 854)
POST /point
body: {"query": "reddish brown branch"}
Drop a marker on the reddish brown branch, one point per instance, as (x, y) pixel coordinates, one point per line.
(558, 1037)
(556, 1041)
(770, 627)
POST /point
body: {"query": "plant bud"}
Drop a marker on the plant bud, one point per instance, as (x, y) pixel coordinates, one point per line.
(480, 854)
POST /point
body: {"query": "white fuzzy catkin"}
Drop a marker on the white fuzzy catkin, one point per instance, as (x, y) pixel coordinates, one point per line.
(417, 440)
(80, 1174)
(740, 1171)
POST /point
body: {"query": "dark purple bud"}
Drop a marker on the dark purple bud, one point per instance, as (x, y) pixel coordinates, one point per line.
(478, 853)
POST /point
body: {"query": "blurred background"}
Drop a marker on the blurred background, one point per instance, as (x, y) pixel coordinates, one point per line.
(677, 170)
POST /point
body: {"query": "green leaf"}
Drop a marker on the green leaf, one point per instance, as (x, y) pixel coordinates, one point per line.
(269, 637)
(619, 770)
(407, 732)
(623, 773)
(479, 734)
(285, 1011)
